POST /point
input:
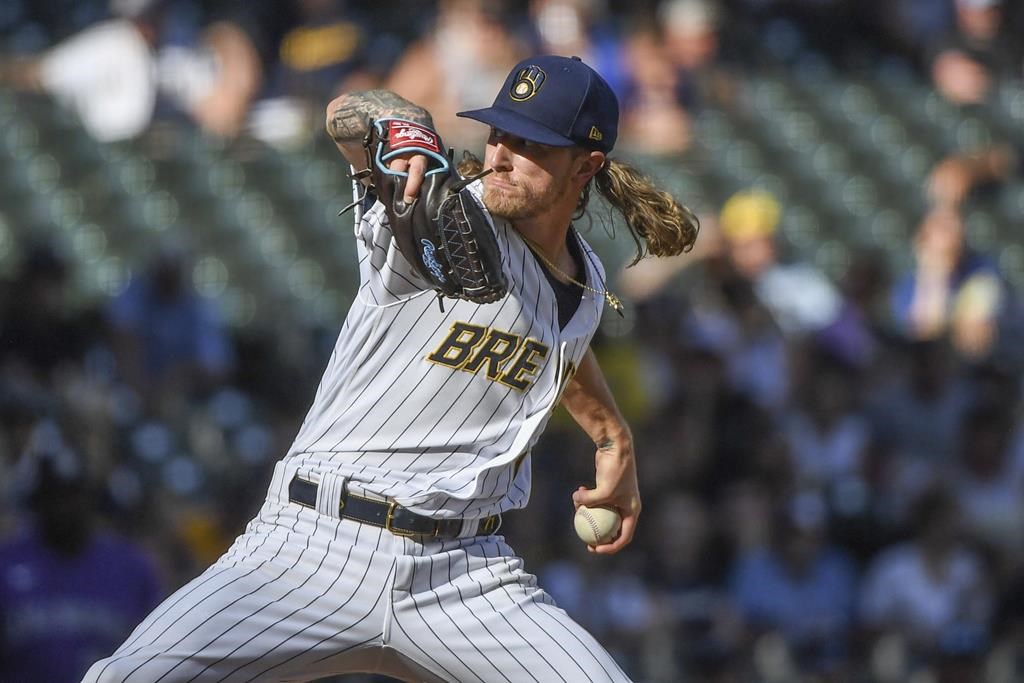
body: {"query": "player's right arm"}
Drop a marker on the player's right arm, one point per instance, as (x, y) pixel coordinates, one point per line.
(589, 401)
(350, 116)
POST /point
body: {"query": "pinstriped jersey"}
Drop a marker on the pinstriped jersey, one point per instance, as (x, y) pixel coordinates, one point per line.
(438, 409)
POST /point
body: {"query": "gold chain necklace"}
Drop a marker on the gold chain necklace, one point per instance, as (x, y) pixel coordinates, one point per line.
(609, 297)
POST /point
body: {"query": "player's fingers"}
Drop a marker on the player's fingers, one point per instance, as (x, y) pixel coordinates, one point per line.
(399, 165)
(606, 496)
(622, 540)
(585, 496)
(417, 170)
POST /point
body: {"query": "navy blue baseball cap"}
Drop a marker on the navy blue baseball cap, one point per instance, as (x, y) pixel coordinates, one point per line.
(557, 101)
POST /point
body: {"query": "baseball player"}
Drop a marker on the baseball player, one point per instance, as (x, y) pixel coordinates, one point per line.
(376, 549)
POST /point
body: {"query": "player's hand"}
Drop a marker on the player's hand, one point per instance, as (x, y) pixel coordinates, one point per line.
(416, 167)
(616, 486)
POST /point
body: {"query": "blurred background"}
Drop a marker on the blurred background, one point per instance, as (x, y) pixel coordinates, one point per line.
(825, 393)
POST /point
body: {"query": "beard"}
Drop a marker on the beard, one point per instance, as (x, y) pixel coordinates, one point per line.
(521, 201)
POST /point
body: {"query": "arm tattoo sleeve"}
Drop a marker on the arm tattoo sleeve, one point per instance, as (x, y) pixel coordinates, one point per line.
(353, 113)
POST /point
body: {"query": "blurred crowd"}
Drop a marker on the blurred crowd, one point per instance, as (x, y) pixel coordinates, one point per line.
(261, 66)
(832, 470)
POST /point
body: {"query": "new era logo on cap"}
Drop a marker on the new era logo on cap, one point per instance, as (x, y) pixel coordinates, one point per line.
(557, 101)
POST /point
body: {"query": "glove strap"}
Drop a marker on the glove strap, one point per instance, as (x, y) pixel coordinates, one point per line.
(405, 137)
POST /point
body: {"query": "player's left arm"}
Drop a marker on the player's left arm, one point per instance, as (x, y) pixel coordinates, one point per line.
(350, 116)
(591, 404)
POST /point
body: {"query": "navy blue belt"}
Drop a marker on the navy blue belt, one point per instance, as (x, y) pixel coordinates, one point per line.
(389, 515)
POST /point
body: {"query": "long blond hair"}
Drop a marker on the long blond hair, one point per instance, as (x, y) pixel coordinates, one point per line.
(658, 224)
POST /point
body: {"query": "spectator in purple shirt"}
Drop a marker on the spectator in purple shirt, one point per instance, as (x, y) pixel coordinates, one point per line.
(69, 593)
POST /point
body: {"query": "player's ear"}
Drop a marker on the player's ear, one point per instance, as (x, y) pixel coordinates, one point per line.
(588, 163)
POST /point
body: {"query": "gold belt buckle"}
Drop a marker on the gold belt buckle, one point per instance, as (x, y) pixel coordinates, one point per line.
(390, 518)
(488, 525)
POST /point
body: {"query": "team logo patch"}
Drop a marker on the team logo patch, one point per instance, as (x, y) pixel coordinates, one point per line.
(403, 134)
(528, 81)
(430, 260)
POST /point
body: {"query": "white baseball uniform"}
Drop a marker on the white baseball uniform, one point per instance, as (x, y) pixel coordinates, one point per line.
(435, 410)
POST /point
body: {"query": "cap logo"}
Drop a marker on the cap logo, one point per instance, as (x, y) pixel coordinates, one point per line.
(528, 82)
(595, 134)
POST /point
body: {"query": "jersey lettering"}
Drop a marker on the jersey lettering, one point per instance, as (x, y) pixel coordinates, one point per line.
(520, 376)
(472, 347)
(458, 347)
(498, 348)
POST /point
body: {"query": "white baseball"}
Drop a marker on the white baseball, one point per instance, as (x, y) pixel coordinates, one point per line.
(597, 525)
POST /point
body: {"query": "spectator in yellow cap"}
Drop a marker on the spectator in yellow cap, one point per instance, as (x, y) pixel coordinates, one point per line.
(748, 222)
(799, 296)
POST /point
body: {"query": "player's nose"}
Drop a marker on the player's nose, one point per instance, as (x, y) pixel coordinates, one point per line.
(500, 157)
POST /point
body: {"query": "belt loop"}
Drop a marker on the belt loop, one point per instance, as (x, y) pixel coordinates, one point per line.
(328, 495)
(280, 481)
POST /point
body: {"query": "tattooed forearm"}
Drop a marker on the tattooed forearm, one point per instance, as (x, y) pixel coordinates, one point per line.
(349, 116)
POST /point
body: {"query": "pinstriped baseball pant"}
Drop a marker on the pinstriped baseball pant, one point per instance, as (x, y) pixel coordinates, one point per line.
(303, 594)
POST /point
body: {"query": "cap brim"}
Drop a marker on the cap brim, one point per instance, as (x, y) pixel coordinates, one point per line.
(518, 125)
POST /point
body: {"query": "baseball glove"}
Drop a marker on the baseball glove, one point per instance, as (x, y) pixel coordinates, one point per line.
(444, 233)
